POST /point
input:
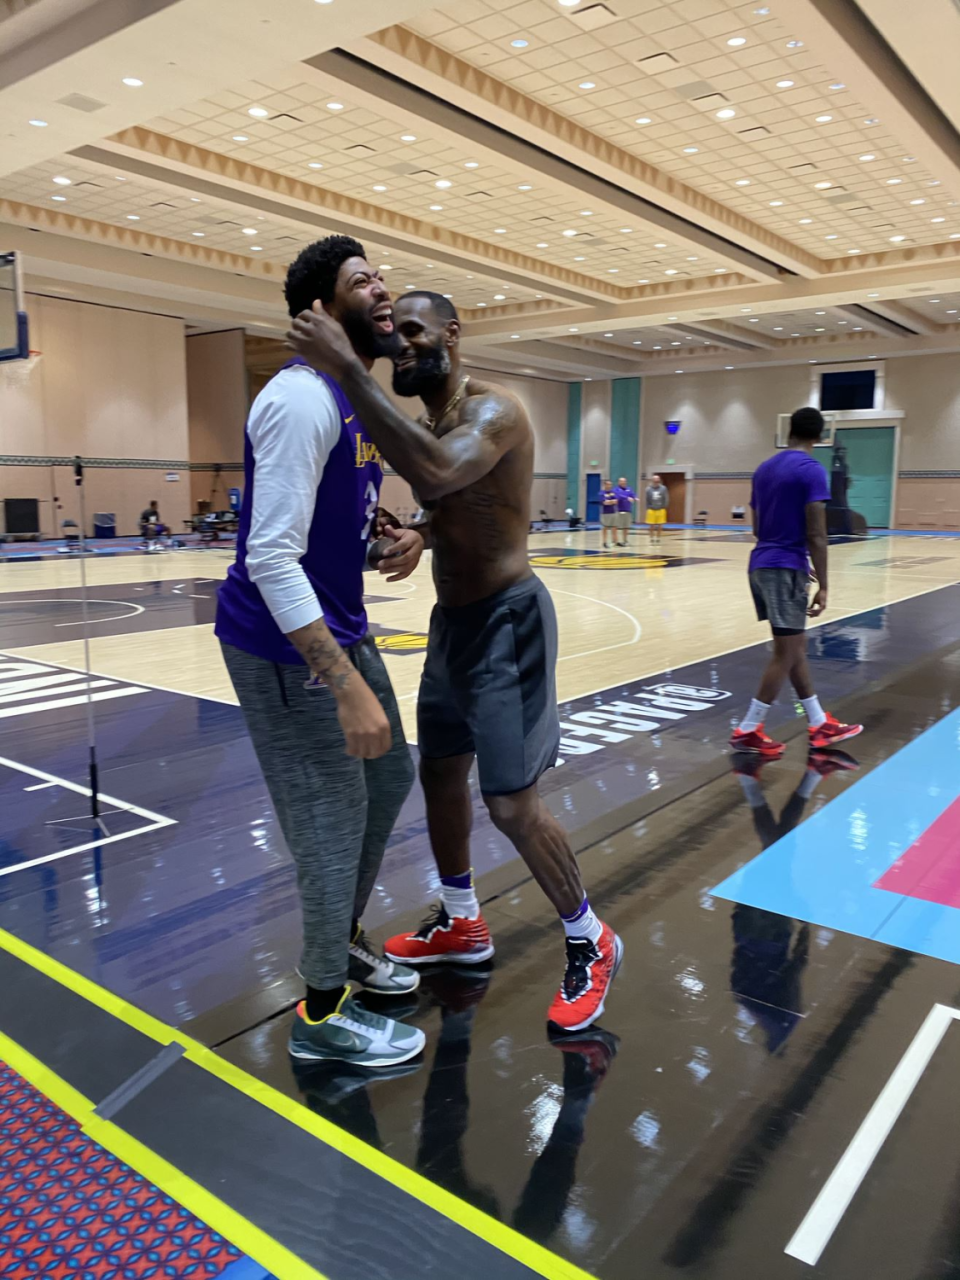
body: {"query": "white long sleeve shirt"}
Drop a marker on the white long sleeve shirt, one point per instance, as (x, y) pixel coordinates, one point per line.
(293, 425)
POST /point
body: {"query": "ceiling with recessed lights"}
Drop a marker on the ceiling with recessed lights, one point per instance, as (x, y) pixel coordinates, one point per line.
(601, 186)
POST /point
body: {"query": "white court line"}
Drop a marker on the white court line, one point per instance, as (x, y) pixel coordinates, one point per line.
(53, 703)
(814, 1233)
(41, 786)
(118, 617)
(80, 687)
(154, 820)
(145, 684)
(637, 632)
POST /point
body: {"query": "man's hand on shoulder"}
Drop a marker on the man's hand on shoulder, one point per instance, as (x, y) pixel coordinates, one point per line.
(320, 340)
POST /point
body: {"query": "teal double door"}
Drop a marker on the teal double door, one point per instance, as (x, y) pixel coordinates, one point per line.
(870, 461)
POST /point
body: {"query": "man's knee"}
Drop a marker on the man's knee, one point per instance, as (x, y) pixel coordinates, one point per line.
(516, 816)
(447, 773)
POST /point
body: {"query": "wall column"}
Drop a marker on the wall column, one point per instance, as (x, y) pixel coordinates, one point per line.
(574, 406)
(625, 430)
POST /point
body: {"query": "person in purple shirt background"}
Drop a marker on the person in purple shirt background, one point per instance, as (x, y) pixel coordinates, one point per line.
(626, 498)
(790, 493)
(313, 688)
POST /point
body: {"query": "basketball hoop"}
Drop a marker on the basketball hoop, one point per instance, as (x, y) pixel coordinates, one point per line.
(17, 373)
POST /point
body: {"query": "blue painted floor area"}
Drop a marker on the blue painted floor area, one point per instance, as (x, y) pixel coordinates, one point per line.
(826, 870)
(193, 903)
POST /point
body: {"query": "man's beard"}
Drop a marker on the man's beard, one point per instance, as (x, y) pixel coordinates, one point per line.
(426, 375)
(365, 339)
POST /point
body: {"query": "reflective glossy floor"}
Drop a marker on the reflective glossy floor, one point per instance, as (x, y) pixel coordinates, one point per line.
(790, 928)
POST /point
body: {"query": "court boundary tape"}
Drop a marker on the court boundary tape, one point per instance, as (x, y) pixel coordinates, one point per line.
(253, 1240)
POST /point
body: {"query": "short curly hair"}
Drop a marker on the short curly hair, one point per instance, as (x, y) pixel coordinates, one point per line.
(314, 272)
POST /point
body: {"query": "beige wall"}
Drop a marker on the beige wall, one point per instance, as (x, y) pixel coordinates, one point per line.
(217, 412)
(729, 421)
(111, 384)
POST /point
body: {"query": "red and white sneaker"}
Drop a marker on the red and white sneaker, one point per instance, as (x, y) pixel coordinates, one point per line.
(831, 732)
(756, 743)
(591, 968)
(443, 939)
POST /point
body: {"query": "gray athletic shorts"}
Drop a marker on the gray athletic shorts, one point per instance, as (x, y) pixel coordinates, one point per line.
(609, 521)
(489, 686)
(624, 519)
(782, 598)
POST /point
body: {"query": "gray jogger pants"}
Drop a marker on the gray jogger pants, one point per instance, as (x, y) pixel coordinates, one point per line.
(336, 812)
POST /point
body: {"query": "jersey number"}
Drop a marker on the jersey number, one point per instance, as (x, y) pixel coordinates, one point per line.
(372, 496)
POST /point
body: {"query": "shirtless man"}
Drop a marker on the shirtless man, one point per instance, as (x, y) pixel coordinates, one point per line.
(489, 683)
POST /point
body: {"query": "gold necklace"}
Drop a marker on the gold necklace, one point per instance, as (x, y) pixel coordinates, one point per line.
(431, 423)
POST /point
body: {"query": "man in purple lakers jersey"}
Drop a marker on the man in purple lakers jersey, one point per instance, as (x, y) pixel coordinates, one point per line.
(313, 688)
(488, 691)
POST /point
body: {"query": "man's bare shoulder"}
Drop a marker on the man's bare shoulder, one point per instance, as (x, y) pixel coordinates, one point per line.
(489, 405)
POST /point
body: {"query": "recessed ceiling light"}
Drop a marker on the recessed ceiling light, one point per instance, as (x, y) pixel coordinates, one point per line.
(608, 335)
(481, 304)
(612, 271)
(436, 208)
(38, 124)
(693, 259)
(726, 113)
(379, 187)
(249, 231)
(955, 235)
(514, 335)
(794, 44)
(778, 328)
(761, 13)
(853, 251)
(894, 182)
(728, 366)
(909, 159)
(334, 106)
(819, 313)
(805, 222)
(785, 84)
(671, 271)
(198, 234)
(794, 335)
(838, 86)
(858, 328)
(626, 231)
(868, 156)
(471, 164)
(586, 213)
(690, 151)
(62, 182)
(819, 330)
(720, 271)
(824, 119)
(193, 199)
(525, 186)
(822, 186)
(678, 371)
(408, 137)
(256, 248)
(499, 297)
(132, 82)
(754, 320)
(742, 182)
(133, 217)
(259, 112)
(569, 233)
(745, 310)
(499, 231)
(872, 120)
(736, 41)
(314, 164)
(574, 331)
(638, 342)
(587, 84)
(240, 137)
(58, 197)
(671, 318)
(873, 295)
(938, 219)
(519, 44)
(934, 182)
(643, 282)
(581, 259)
(918, 201)
(639, 120)
(443, 184)
(775, 204)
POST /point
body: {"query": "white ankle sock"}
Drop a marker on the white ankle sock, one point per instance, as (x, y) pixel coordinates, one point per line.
(460, 902)
(815, 713)
(755, 717)
(583, 924)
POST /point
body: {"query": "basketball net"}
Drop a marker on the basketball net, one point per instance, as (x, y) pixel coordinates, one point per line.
(17, 373)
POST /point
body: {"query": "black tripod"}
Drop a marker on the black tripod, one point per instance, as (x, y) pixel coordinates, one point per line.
(91, 727)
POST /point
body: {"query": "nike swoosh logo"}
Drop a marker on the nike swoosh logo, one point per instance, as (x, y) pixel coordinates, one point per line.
(347, 421)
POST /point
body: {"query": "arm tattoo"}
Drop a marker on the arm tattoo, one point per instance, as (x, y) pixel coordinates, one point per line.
(323, 655)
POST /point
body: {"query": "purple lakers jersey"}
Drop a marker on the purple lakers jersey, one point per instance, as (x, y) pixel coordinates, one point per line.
(343, 517)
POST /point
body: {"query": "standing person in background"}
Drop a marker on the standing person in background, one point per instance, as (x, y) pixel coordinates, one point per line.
(626, 501)
(790, 493)
(313, 688)
(151, 526)
(608, 510)
(657, 497)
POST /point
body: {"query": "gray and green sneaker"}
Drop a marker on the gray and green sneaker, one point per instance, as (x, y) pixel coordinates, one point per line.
(374, 973)
(353, 1034)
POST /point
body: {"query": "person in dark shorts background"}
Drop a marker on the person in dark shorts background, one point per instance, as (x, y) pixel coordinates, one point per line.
(488, 691)
(790, 493)
(626, 501)
(608, 510)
